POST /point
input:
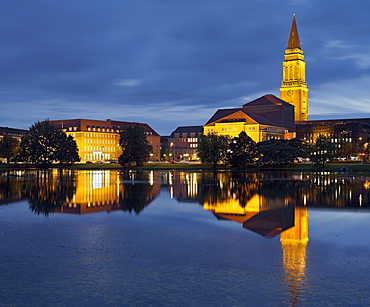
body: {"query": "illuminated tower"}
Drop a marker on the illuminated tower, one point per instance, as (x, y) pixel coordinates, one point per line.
(294, 86)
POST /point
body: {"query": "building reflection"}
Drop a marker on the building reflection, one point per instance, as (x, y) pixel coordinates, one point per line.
(290, 221)
(81, 192)
(112, 190)
(94, 191)
(313, 190)
(236, 196)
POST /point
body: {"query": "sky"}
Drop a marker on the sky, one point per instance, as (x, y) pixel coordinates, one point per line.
(173, 63)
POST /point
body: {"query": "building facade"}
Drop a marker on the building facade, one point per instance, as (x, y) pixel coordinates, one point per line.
(356, 131)
(262, 119)
(98, 140)
(294, 86)
(183, 143)
(15, 133)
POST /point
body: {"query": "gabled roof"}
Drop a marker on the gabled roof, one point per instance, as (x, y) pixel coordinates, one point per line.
(188, 129)
(119, 124)
(220, 113)
(262, 119)
(293, 41)
(267, 99)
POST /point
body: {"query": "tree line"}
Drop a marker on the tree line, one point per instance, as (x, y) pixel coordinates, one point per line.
(242, 151)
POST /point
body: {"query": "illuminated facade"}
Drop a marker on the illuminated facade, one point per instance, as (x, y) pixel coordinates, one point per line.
(98, 140)
(262, 119)
(183, 142)
(294, 86)
(355, 131)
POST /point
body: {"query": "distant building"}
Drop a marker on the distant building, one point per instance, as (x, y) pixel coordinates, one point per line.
(183, 142)
(356, 130)
(98, 140)
(262, 119)
(15, 133)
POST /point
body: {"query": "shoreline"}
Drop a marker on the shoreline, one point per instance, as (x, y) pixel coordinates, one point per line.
(344, 168)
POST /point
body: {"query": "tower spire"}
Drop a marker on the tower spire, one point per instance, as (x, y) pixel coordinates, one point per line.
(294, 41)
(294, 86)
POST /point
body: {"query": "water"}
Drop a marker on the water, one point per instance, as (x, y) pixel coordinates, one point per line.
(96, 238)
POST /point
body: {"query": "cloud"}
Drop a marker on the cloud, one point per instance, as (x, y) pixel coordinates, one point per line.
(128, 82)
(345, 51)
(348, 96)
(173, 63)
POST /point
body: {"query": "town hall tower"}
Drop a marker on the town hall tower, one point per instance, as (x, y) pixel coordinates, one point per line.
(294, 86)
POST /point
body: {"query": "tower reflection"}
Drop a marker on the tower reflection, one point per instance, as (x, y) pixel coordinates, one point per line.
(290, 221)
(294, 245)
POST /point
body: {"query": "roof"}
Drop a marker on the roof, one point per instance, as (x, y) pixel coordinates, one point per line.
(293, 41)
(253, 117)
(267, 99)
(220, 113)
(271, 222)
(334, 121)
(83, 123)
(146, 127)
(262, 119)
(11, 131)
(188, 129)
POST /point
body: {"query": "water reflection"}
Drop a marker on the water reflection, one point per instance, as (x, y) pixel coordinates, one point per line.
(228, 195)
(267, 204)
(55, 191)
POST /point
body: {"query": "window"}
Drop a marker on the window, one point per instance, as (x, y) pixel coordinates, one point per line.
(262, 108)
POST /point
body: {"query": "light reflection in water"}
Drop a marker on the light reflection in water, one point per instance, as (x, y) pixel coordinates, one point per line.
(267, 204)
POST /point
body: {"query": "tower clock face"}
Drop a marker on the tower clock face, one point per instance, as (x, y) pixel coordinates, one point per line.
(290, 93)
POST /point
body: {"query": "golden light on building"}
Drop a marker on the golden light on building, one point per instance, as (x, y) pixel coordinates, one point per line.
(294, 86)
(98, 140)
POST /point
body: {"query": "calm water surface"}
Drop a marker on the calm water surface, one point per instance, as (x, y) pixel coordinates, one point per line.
(96, 238)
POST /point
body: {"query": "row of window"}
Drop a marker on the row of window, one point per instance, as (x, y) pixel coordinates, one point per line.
(184, 140)
(101, 129)
(229, 129)
(101, 148)
(185, 135)
(225, 129)
(108, 136)
(92, 141)
(262, 108)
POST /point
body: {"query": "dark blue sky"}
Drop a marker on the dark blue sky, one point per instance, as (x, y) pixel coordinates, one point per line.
(173, 63)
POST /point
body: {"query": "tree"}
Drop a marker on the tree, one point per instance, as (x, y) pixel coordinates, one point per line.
(300, 145)
(346, 149)
(212, 148)
(277, 152)
(242, 151)
(322, 151)
(45, 144)
(67, 151)
(8, 147)
(135, 146)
